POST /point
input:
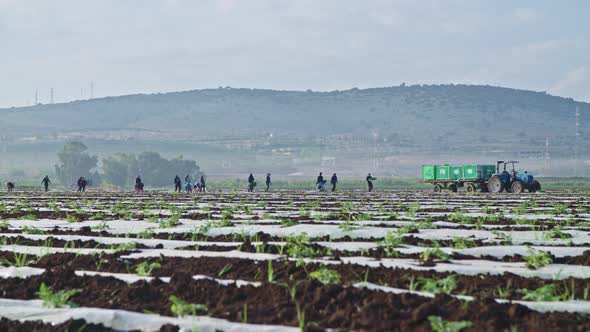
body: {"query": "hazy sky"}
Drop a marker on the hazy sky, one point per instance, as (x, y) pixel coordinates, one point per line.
(135, 46)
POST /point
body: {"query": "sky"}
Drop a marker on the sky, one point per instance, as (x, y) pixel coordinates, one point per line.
(149, 46)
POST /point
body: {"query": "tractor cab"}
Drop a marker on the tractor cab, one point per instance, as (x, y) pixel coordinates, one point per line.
(509, 173)
(508, 179)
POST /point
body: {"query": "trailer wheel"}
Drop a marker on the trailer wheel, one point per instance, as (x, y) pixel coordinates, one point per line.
(471, 188)
(452, 187)
(517, 187)
(495, 184)
(437, 188)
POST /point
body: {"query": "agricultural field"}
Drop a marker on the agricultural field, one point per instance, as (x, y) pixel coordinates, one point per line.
(295, 260)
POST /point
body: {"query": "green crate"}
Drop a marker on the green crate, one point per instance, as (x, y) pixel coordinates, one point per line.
(442, 172)
(456, 172)
(470, 172)
(428, 172)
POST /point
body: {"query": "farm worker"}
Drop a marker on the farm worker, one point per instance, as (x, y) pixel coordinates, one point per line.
(370, 182)
(46, 182)
(138, 184)
(177, 184)
(319, 180)
(320, 183)
(333, 182)
(82, 184)
(251, 183)
(187, 178)
(202, 181)
(189, 187)
(10, 186)
(268, 182)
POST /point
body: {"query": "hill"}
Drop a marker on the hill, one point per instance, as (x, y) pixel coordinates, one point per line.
(417, 119)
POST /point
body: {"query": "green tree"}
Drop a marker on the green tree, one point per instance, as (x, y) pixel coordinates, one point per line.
(155, 171)
(118, 169)
(74, 162)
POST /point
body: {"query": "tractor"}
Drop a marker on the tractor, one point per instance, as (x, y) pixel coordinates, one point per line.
(511, 181)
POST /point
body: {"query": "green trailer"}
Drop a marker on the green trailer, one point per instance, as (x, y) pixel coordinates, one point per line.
(451, 177)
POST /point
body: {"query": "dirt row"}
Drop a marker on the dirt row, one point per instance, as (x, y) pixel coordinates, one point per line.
(481, 285)
(315, 305)
(467, 223)
(247, 246)
(7, 325)
(59, 243)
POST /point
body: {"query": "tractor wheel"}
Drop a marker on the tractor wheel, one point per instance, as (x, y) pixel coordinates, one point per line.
(535, 186)
(495, 184)
(517, 187)
(452, 187)
(471, 188)
(437, 188)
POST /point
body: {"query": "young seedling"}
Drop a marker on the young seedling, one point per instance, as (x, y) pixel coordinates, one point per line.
(181, 308)
(300, 311)
(72, 218)
(438, 286)
(224, 270)
(245, 314)
(391, 242)
(270, 273)
(524, 207)
(463, 243)
(172, 221)
(537, 259)
(29, 217)
(559, 208)
(304, 214)
(439, 325)
(504, 237)
(556, 233)
(347, 226)
(102, 227)
(434, 253)
(227, 214)
(326, 276)
(145, 269)
(412, 209)
(100, 262)
(545, 293)
(288, 223)
(504, 293)
(122, 246)
(97, 216)
(19, 260)
(58, 299)
(299, 246)
(146, 234)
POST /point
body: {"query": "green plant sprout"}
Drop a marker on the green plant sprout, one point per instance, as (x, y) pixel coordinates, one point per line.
(57, 299)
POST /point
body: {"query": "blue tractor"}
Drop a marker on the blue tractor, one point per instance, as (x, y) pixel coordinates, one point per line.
(511, 181)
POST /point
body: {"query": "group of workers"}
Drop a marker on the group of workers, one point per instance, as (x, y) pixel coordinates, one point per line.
(321, 183)
(200, 185)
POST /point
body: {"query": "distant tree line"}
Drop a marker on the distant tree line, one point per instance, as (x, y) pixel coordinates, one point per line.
(120, 169)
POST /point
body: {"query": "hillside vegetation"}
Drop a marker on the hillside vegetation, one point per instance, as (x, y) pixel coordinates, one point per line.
(415, 115)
